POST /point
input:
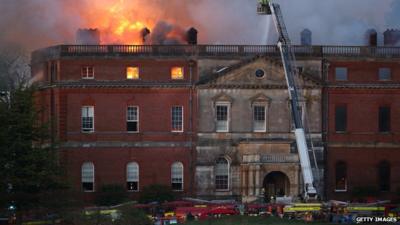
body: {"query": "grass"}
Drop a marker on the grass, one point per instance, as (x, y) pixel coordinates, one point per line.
(245, 220)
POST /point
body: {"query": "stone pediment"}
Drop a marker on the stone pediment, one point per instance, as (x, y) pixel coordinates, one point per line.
(222, 98)
(255, 73)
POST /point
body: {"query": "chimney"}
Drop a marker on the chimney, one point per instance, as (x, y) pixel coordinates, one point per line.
(191, 36)
(371, 38)
(144, 33)
(88, 37)
(306, 37)
(391, 37)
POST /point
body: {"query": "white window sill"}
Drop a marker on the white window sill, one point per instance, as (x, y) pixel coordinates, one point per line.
(340, 190)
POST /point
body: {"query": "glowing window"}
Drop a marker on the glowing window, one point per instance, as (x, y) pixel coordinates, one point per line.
(132, 73)
(176, 73)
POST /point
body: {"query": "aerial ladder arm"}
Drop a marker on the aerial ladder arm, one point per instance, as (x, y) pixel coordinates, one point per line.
(266, 7)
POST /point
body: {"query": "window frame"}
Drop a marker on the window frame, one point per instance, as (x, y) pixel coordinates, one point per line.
(183, 73)
(172, 119)
(82, 128)
(138, 176)
(133, 67)
(381, 69)
(180, 164)
(228, 116)
(344, 165)
(265, 117)
(337, 69)
(85, 72)
(228, 174)
(93, 176)
(137, 118)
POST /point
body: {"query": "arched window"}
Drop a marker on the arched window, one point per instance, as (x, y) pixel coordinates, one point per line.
(177, 176)
(132, 176)
(384, 176)
(87, 176)
(341, 176)
(222, 174)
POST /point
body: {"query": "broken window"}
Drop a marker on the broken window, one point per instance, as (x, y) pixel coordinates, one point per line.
(384, 119)
(259, 113)
(132, 119)
(385, 74)
(177, 176)
(87, 176)
(177, 119)
(340, 118)
(340, 73)
(177, 73)
(87, 118)
(222, 117)
(341, 176)
(222, 174)
(87, 72)
(132, 176)
(132, 73)
(384, 176)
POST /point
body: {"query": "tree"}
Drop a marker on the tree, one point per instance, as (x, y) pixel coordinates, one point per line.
(29, 169)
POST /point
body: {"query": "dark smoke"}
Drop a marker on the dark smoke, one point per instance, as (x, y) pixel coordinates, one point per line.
(166, 34)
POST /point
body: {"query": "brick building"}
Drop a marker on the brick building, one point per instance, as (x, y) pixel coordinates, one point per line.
(121, 121)
(184, 116)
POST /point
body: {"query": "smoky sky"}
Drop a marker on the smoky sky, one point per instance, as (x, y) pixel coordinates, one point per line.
(38, 23)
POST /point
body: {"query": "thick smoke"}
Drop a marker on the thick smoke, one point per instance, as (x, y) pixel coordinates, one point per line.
(39, 23)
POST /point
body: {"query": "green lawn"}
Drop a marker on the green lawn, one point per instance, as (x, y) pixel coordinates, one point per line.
(245, 220)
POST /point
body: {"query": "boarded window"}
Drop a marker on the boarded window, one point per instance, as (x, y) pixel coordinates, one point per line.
(341, 176)
(87, 119)
(222, 174)
(177, 176)
(132, 119)
(384, 119)
(259, 124)
(87, 176)
(340, 118)
(340, 73)
(177, 119)
(132, 176)
(384, 176)
(385, 74)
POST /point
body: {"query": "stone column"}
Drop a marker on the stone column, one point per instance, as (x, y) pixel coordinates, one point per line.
(244, 181)
(251, 182)
(257, 183)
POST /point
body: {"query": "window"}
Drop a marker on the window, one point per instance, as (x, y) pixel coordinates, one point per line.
(53, 71)
(132, 176)
(222, 117)
(87, 176)
(340, 118)
(385, 74)
(259, 124)
(132, 119)
(384, 119)
(177, 73)
(222, 174)
(132, 73)
(384, 176)
(177, 176)
(341, 73)
(341, 176)
(87, 119)
(177, 119)
(87, 72)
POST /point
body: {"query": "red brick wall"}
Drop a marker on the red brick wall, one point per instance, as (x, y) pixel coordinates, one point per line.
(362, 169)
(110, 165)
